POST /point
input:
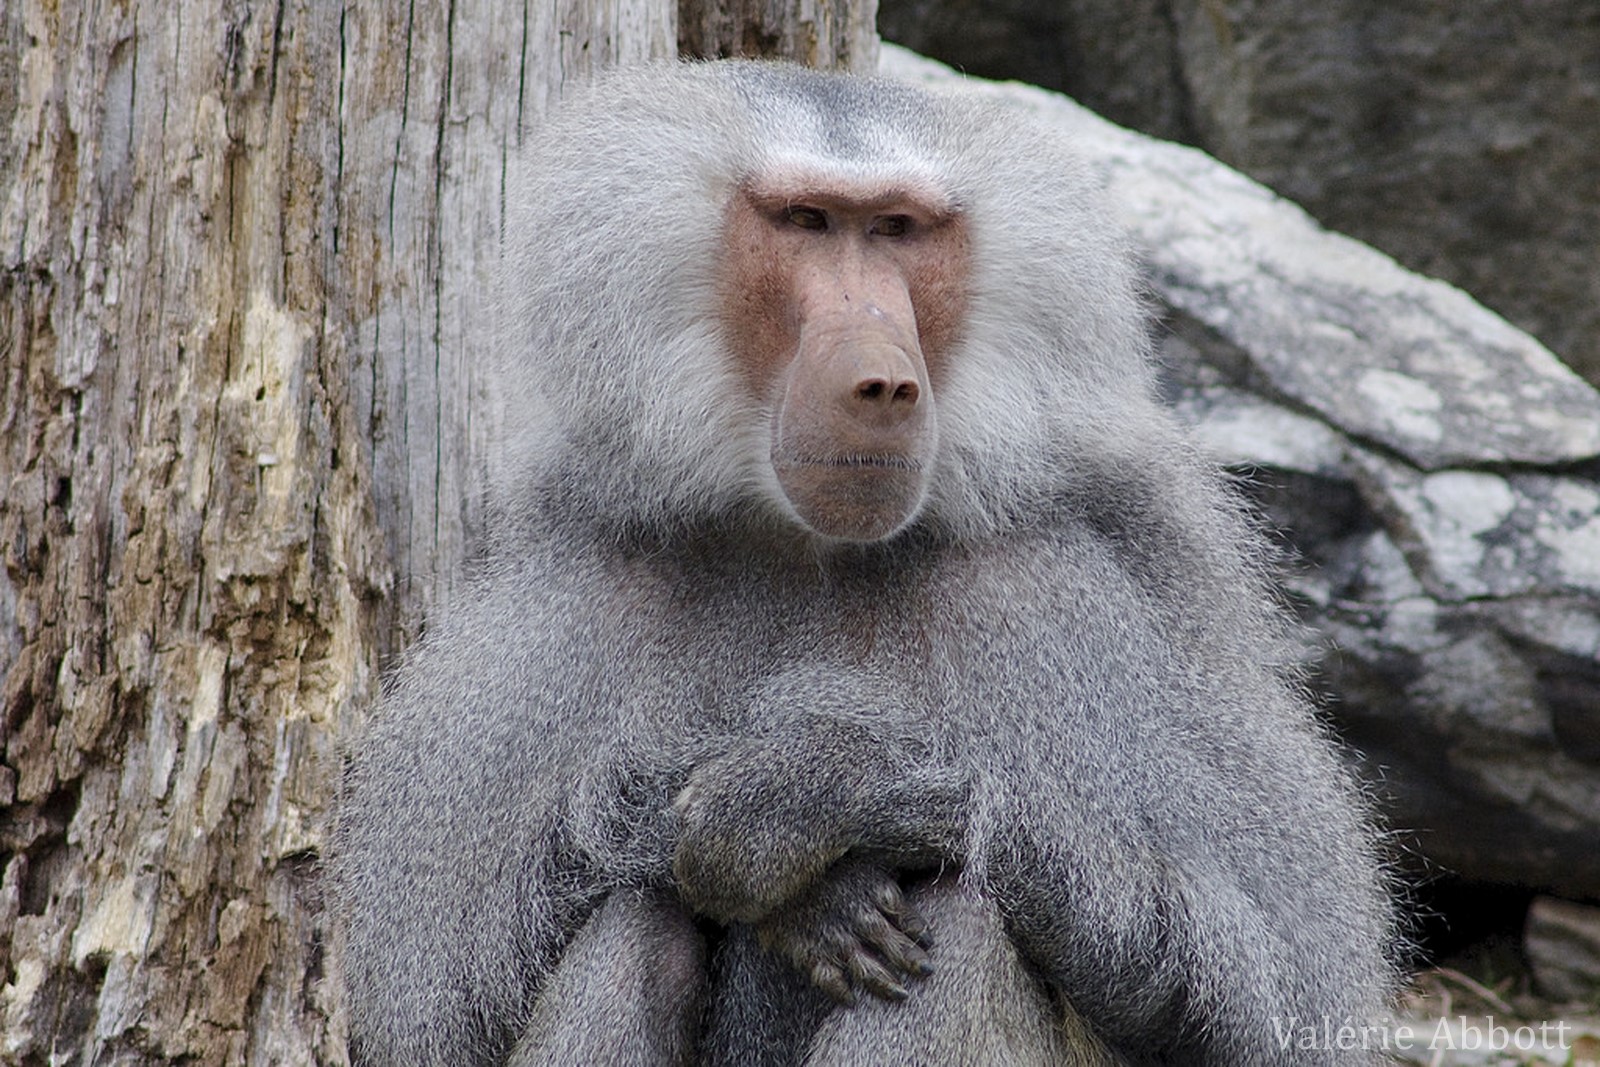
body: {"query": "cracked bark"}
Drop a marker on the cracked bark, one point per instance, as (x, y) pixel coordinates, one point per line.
(828, 34)
(243, 252)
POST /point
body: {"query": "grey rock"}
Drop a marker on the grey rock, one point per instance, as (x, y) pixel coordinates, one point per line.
(1562, 941)
(1473, 533)
(1071, 46)
(1458, 137)
(1437, 472)
(1408, 363)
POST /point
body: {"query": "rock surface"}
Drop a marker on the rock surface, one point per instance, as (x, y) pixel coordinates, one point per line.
(1458, 137)
(1563, 947)
(1437, 471)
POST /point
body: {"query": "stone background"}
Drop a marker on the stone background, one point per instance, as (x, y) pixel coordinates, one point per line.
(1461, 138)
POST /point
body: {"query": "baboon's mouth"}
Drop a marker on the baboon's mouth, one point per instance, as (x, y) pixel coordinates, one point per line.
(881, 462)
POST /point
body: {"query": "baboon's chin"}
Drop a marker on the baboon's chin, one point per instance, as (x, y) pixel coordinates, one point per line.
(867, 502)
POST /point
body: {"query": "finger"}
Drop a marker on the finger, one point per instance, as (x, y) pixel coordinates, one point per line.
(900, 951)
(893, 902)
(915, 926)
(906, 956)
(831, 980)
(874, 977)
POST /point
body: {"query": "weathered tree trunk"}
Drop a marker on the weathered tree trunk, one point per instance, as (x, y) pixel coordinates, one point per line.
(243, 256)
(828, 34)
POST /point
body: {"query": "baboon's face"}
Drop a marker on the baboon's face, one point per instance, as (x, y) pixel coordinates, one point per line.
(842, 301)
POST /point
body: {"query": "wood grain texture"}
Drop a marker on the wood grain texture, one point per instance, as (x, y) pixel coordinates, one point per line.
(826, 34)
(243, 258)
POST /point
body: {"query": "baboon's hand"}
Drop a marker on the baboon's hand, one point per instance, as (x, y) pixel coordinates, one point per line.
(753, 830)
(763, 822)
(852, 929)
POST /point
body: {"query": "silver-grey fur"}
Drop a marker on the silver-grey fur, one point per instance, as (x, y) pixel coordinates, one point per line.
(1066, 683)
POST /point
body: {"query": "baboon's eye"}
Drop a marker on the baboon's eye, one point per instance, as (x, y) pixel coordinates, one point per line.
(808, 218)
(892, 226)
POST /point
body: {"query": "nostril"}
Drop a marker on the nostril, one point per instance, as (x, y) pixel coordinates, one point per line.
(886, 390)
